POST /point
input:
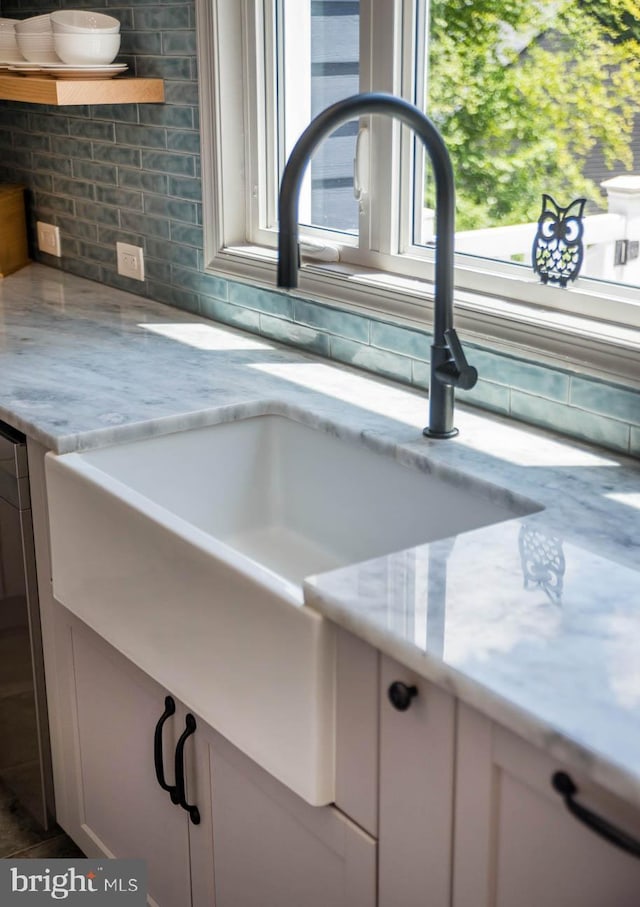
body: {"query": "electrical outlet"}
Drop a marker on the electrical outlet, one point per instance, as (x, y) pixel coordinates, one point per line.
(130, 261)
(48, 238)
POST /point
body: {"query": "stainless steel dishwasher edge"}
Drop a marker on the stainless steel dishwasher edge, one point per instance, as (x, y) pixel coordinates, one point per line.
(25, 755)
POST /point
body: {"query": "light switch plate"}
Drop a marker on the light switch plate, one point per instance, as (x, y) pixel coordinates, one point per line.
(49, 238)
(130, 261)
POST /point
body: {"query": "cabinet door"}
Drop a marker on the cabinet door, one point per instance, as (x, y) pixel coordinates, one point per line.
(416, 793)
(119, 809)
(271, 849)
(515, 841)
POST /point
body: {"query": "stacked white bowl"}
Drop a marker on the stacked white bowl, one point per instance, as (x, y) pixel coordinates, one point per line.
(35, 39)
(85, 38)
(9, 50)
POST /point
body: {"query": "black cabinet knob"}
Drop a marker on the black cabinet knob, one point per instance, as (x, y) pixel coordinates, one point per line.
(400, 695)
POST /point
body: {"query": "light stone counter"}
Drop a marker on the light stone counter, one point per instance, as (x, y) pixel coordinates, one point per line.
(535, 621)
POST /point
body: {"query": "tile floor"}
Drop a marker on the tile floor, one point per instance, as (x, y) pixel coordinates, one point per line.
(21, 838)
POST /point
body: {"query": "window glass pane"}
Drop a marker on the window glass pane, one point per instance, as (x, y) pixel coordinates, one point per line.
(318, 51)
(537, 98)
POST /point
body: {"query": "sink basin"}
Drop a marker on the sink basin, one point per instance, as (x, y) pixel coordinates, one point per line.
(187, 553)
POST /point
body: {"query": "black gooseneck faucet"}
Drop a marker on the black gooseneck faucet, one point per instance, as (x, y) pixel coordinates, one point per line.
(449, 367)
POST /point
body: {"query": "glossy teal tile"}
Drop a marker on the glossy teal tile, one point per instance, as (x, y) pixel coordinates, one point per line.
(73, 226)
(173, 253)
(50, 124)
(121, 198)
(175, 296)
(420, 374)
(400, 340)
(173, 117)
(389, 365)
(179, 42)
(89, 269)
(233, 315)
(333, 321)
(90, 170)
(294, 334)
(71, 147)
(184, 187)
(100, 214)
(157, 269)
(91, 129)
(47, 201)
(168, 162)
(74, 188)
(172, 68)
(148, 43)
(608, 399)
(140, 179)
(204, 284)
(526, 376)
(161, 17)
(569, 420)
(120, 113)
(185, 233)
(116, 154)
(29, 141)
(51, 162)
(179, 140)
(172, 208)
(109, 236)
(487, 395)
(141, 136)
(263, 300)
(150, 226)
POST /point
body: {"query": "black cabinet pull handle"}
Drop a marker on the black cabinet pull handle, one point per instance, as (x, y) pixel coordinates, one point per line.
(400, 695)
(169, 710)
(564, 785)
(181, 797)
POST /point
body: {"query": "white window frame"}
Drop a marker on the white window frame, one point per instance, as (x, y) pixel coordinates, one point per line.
(497, 303)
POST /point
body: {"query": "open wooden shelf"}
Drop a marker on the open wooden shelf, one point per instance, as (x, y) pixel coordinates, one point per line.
(61, 92)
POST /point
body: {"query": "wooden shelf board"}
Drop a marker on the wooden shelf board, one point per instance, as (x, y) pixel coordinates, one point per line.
(61, 92)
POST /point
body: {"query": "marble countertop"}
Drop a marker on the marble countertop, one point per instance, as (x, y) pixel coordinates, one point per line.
(535, 621)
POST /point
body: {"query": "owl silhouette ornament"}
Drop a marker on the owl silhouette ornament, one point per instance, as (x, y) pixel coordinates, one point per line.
(557, 249)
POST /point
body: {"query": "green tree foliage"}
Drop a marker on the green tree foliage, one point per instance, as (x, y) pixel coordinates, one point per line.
(523, 91)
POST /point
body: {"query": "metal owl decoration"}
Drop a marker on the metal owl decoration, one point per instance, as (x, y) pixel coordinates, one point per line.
(558, 249)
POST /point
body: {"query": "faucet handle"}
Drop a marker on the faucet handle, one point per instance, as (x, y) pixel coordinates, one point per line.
(457, 372)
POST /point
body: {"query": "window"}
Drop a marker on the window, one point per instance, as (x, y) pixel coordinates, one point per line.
(516, 88)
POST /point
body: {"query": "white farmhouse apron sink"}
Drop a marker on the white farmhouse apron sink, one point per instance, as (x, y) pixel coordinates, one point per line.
(187, 553)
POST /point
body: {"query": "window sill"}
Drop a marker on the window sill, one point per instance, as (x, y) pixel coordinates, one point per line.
(522, 329)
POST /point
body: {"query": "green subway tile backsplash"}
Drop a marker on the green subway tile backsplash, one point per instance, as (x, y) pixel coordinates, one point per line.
(130, 173)
(606, 399)
(568, 419)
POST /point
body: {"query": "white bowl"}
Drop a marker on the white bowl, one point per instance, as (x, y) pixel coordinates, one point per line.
(9, 52)
(87, 49)
(37, 48)
(80, 21)
(38, 24)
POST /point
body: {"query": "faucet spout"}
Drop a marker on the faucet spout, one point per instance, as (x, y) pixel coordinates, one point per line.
(449, 368)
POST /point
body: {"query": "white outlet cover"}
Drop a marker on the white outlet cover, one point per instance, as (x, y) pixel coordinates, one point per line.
(49, 238)
(130, 261)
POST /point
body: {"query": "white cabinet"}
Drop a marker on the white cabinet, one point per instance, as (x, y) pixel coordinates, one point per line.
(115, 805)
(416, 792)
(271, 849)
(255, 842)
(515, 841)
